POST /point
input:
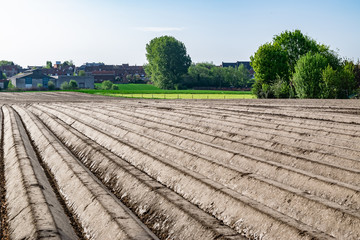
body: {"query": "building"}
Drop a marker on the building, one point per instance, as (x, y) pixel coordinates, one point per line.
(117, 73)
(30, 79)
(82, 81)
(101, 76)
(10, 70)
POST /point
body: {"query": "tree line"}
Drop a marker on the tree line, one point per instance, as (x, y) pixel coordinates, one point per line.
(293, 65)
(170, 67)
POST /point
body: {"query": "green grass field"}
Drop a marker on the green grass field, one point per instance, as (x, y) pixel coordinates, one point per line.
(150, 91)
(185, 96)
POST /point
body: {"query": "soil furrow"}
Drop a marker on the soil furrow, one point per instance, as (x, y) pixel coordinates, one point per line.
(84, 195)
(224, 138)
(4, 233)
(112, 170)
(350, 176)
(246, 184)
(188, 184)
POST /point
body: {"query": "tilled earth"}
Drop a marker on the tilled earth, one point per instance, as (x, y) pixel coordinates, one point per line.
(77, 166)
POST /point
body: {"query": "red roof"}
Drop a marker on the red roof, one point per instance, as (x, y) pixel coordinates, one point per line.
(103, 73)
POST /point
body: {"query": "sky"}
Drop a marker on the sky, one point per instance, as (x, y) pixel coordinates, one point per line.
(117, 31)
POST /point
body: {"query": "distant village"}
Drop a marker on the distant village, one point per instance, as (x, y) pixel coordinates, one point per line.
(85, 75)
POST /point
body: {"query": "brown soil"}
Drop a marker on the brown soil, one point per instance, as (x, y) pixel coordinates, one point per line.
(197, 169)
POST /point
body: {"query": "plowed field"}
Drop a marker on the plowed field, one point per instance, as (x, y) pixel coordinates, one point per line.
(75, 166)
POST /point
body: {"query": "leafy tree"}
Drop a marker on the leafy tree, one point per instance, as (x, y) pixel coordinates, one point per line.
(3, 76)
(73, 84)
(308, 75)
(51, 85)
(269, 62)
(65, 86)
(296, 45)
(338, 83)
(10, 85)
(4, 62)
(39, 85)
(106, 85)
(278, 60)
(48, 64)
(202, 74)
(168, 61)
(281, 89)
(82, 73)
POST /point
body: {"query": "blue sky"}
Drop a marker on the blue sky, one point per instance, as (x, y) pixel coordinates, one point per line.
(117, 31)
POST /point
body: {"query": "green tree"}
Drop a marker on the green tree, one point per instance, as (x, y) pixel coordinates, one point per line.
(65, 86)
(82, 73)
(5, 62)
(202, 75)
(51, 85)
(48, 64)
(338, 83)
(307, 78)
(106, 85)
(168, 61)
(275, 63)
(270, 62)
(10, 85)
(73, 84)
(39, 85)
(296, 45)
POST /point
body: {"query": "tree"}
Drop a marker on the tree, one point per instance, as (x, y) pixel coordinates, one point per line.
(275, 63)
(73, 84)
(202, 75)
(168, 61)
(51, 85)
(39, 85)
(308, 75)
(65, 86)
(5, 62)
(270, 62)
(82, 73)
(295, 44)
(48, 64)
(106, 85)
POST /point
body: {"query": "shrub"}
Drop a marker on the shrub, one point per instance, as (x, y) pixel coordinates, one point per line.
(73, 85)
(106, 85)
(114, 87)
(10, 85)
(39, 85)
(65, 86)
(51, 85)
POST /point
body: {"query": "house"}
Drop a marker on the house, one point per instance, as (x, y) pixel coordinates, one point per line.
(31, 79)
(101, 76)
(10, 69)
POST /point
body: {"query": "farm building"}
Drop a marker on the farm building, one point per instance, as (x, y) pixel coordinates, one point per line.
(82, 81)
(30, 79)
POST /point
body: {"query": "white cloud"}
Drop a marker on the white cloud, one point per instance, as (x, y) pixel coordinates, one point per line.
(160, 29)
